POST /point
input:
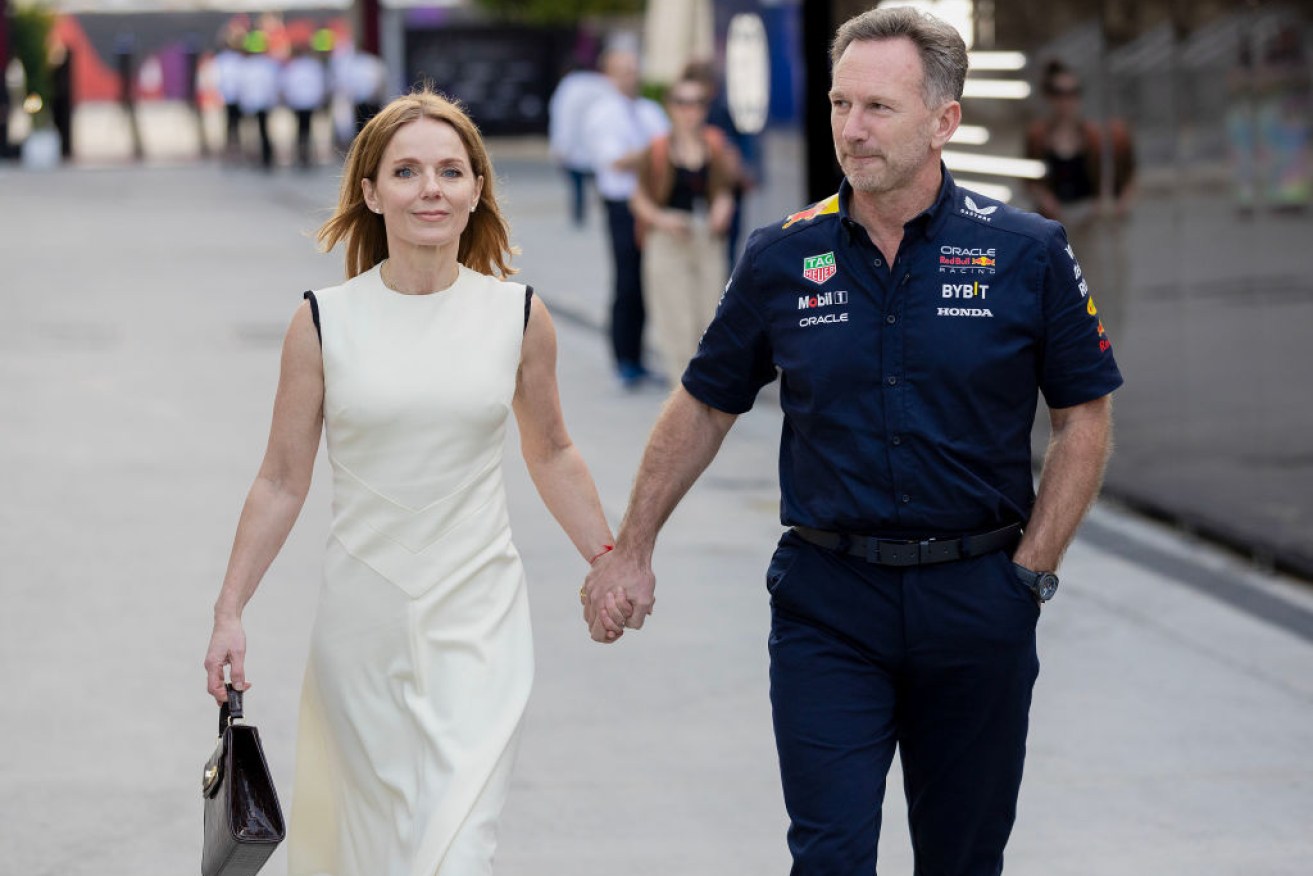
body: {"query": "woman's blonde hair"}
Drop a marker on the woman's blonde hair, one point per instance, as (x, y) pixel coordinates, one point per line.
(484, 244)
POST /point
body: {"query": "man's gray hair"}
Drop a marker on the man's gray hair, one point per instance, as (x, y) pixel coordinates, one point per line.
(943, 53)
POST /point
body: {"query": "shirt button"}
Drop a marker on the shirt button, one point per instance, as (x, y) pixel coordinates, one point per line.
(906, 498)
(897, 439)
(893, 381)
(878, 263)
(891, 319)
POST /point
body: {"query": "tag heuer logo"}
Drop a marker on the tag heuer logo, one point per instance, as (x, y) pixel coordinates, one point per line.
(819, 268)
(975, 210)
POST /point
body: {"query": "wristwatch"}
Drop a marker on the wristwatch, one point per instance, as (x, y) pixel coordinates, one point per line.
(1042, 584)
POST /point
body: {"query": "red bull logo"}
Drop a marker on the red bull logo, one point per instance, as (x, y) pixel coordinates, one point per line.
(829, 205)
(967, 262)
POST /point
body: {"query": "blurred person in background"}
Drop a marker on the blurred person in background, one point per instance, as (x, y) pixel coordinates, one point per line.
(258, 91)
(1075, 190)
(574, 96)
(750, 167)
(305, 90)
(618, 129)
(228, 72)
(1285, 120)
(684, 204)
(364, 79)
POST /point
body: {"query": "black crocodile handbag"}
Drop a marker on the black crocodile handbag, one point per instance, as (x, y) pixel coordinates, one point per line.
(243, 821)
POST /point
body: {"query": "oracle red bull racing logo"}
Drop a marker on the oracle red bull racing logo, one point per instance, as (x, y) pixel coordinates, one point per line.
(967, 260)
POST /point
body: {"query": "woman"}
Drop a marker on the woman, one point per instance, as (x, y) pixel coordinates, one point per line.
(1090, 203)
(684, 204)
(421, 654)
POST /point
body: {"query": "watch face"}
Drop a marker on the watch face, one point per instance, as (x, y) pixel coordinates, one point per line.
(1047, 582)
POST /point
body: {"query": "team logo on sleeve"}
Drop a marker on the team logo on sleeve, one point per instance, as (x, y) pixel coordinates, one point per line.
(819, 268)
(973, 210)
(1077, 274)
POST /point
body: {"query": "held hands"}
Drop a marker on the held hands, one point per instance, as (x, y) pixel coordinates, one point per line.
(227, 647)
(618, 593)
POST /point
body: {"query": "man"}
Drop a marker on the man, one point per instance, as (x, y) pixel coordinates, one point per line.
(574, 96)
(257, 90)
(305, 91)
(619, 127)
(912, 324)
(227, 66)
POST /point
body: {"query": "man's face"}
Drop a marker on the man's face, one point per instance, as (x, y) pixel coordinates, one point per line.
(622, 68)
(884, 134)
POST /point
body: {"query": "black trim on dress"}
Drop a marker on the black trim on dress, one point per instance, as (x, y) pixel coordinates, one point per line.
(314, 314)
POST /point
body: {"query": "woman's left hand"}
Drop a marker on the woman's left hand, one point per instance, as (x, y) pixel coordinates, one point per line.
(227, 648)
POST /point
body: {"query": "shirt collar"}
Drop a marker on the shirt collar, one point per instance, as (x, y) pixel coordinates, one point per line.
(927, 223)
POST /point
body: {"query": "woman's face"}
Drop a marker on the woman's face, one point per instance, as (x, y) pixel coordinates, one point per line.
(424, 188)
(1063, 93)
(687, 105)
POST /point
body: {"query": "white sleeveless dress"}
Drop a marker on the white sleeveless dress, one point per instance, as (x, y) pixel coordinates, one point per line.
(421, 657)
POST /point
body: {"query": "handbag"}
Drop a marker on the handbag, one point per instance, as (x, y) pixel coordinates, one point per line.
(243, 821)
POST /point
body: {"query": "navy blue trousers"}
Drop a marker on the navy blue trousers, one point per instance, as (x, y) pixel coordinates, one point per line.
(937, 662)
(627, 313)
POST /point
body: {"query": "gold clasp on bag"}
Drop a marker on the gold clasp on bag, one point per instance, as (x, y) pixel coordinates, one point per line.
(211, 776)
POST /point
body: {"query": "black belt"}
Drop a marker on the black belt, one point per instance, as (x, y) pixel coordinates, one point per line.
(914, 552)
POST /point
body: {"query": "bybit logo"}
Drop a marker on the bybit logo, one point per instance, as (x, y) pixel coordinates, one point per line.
(966, 290)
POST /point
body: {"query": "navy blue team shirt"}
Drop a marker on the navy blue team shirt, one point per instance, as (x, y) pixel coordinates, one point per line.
(908, 390)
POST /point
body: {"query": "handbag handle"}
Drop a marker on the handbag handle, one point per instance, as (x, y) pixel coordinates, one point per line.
(230, 711)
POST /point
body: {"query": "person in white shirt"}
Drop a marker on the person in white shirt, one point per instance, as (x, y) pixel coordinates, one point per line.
(618, 129)
(575, 95)
(365, 79)
(227, 68)
(304, 87)
(258, 95)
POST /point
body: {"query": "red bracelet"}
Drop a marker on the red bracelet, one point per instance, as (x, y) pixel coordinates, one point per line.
(606, 549)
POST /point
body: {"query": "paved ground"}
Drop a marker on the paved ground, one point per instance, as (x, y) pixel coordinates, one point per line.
(142, 312)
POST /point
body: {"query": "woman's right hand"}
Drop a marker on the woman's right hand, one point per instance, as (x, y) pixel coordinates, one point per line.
(227, 648)
(675, 222)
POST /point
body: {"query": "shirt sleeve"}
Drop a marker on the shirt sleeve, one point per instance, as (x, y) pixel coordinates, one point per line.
(734, 358)
(1078, 364)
